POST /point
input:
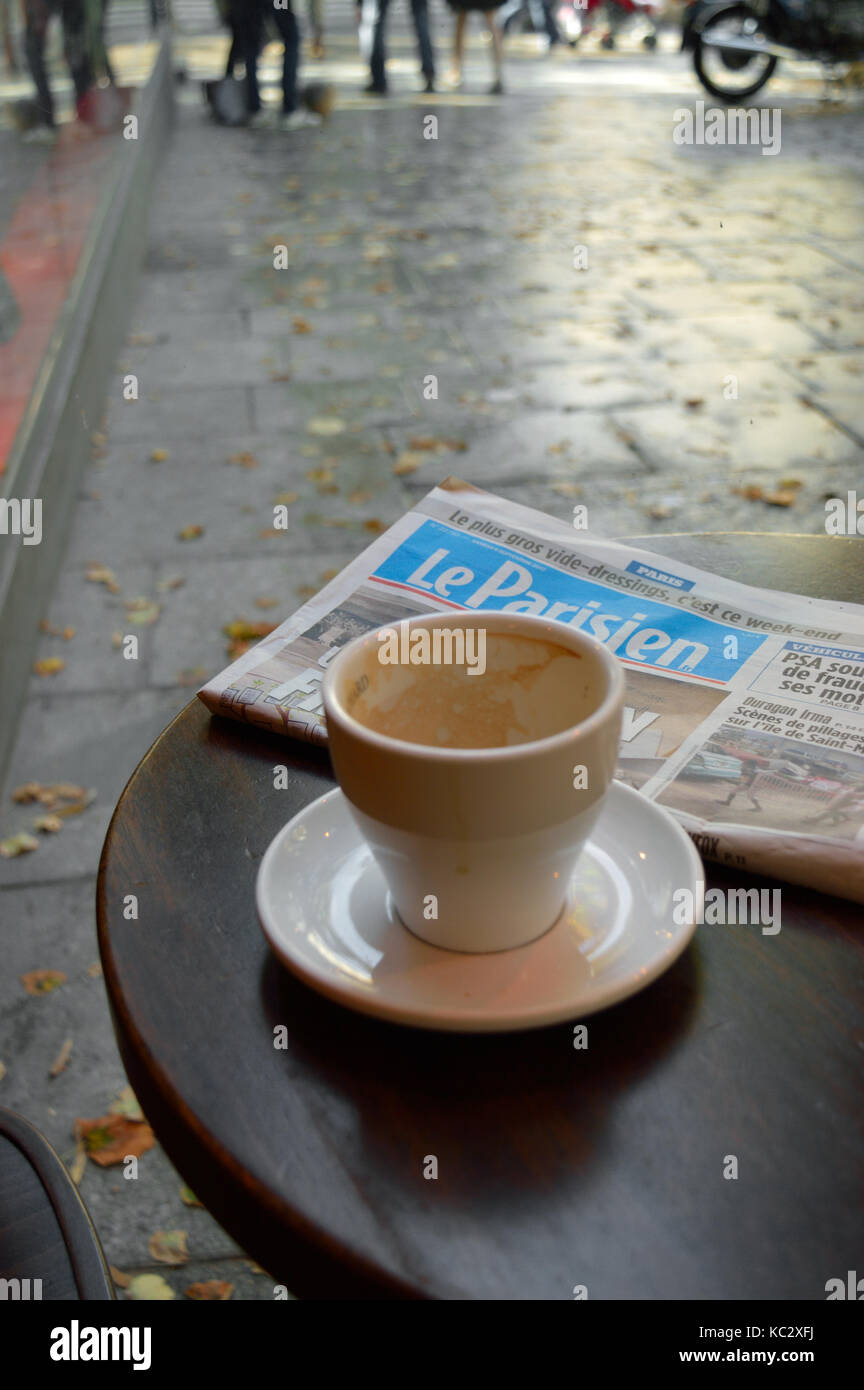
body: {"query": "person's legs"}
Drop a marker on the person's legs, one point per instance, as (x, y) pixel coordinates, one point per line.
(248, 21)
(508, 12)
(497, 50)
(551, 26)
(420, 16)
(378, 59)
(74, 19)
(289, 33)
(316, 24)
(535, 14)
(102, 58)
(459, 45)
(37, 14)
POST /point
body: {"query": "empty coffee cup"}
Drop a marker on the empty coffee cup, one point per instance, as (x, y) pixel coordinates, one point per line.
(475, 751)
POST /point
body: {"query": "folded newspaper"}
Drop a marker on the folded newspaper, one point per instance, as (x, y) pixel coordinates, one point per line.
(744, 707)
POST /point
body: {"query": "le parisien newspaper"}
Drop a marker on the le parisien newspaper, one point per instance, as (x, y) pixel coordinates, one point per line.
(744, 707)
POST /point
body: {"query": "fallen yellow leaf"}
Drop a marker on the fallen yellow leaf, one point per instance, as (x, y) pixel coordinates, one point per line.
(211, 1290)
(112, 1138)
(42, 981)
(60, 1061)
(149, 1288)
(22, 843)
(325, 424)
(169, 1247)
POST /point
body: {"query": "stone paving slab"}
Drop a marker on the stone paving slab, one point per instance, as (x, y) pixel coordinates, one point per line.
(91, 739)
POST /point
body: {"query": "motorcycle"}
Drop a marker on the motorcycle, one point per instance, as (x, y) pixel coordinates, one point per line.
(736, 47)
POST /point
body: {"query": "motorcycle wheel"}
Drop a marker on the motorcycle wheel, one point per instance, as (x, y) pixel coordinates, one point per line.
(712, 64)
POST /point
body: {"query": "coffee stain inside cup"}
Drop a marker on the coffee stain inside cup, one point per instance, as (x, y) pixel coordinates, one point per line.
(530, 689)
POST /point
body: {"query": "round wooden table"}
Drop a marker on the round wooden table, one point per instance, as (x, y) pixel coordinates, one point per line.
(556, 1167)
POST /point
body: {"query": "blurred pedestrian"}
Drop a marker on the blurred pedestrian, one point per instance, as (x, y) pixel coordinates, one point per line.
(316, 24)
(98, 18)
(8, 45)
(488, 8)
(378, 58)
(37, 17)
(234, 14)
(250, 17)
(539, 12)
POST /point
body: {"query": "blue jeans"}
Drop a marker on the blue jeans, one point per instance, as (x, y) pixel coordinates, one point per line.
(420, 16)
(289, 33)
(38, 15)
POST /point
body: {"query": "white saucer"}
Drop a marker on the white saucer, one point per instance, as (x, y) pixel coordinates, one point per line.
(326, 912)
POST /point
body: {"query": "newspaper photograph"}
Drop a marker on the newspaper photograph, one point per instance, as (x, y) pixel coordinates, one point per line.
(744, 709)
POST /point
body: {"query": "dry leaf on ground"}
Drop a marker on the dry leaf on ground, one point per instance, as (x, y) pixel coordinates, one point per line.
(242, 634)
(149, 1288)
(50, 794)
(142, 611)
(210, 1290)
(430, 442)
(120, 1279)
(100, 574)
(126, 1103)
(43, 981)
(188, 1198)
(111, 1138)
(325, 424)
(60, 1061)
(190, 533)
(49, 666)
(407, 463)
(169, 1247)
(22, 843)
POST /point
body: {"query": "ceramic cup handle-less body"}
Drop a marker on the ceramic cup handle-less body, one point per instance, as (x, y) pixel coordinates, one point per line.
(478, 844)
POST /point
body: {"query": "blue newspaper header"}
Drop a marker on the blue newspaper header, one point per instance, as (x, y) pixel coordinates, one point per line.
(472, 572)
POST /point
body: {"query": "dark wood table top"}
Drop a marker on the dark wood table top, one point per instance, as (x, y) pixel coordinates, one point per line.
(557, 1167)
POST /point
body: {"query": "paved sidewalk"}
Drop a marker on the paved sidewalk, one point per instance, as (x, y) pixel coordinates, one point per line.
(409, 258)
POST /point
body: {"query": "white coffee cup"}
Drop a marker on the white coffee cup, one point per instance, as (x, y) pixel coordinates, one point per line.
(477, 843)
